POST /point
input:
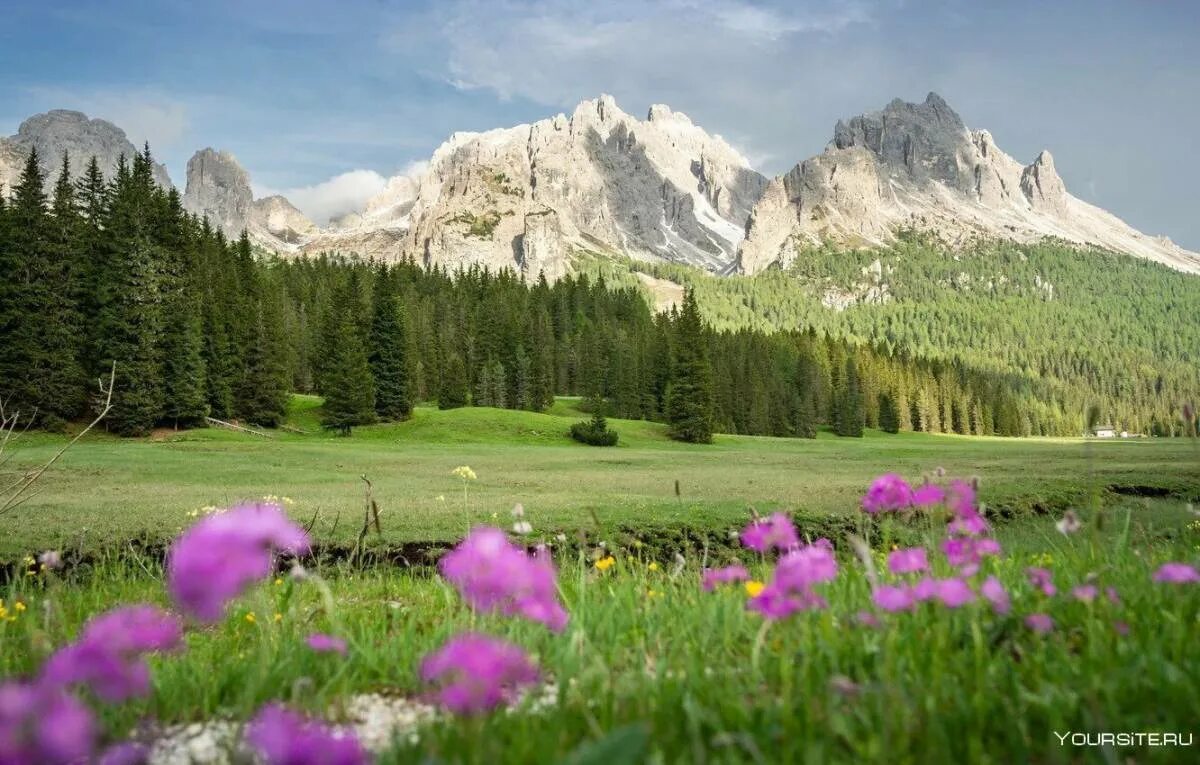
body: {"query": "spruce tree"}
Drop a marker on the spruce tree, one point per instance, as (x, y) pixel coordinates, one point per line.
(347, 384)
(389, 353)
(889, 415)
(690, 394)
(849, 410)
(266, 402)
(453, 391)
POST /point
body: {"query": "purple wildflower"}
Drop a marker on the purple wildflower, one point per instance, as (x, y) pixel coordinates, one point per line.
(907, 561)
(322, 643)
(475, 672)
(928, 495)
(926, 589)
(994, 592)
(215, 560)
(1042, 579)
(283, 737)
(1113, 596)
(966, 553)
(806, 566)
(961, 498)
(1085, 592)
(867, 619)
(107, 655)
(1039, 623)
(887, 493)
(893, 598)
(42, 725)
(775, 531)
(1121, 628)
(954, 592)
(494, 575)
(717, 576)
(778, 602)
(1176, 573)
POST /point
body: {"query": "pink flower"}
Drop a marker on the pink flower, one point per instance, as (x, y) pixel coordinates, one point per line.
(717, 576)
(1113, 596)
(775, 531)
(968, 523)
(1176, 573)
(42, 725)
(493, 575)
(928, 495)
(907, 561)
(887, 493)
(867, 619)
(961, 498)
(803, 567)
(1121, 628)
(283, 737)
(322, 643)
(107, 655)
(474, 672)
(994, 592)
(954, 592)
(217, 559)
(966, 553)
(1039, 623)
(777, 602)
(893, 598)
(926, 589)
(1085, 592)
(1042, 579)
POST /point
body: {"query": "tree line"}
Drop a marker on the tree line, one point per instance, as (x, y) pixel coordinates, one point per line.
(105, 270)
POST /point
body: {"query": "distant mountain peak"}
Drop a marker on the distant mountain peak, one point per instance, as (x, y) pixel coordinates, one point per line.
(917, 165)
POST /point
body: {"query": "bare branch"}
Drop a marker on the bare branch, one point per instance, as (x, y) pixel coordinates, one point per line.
(19, 492)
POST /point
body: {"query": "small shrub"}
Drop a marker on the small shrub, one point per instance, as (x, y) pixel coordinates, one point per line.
(594, 432)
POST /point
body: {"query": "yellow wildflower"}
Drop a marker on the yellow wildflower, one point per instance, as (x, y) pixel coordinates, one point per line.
(278, 582)
(250, 617)
(651, 594)
(605, 563)
(18, 606)
(754, 587)
(278, 616)
(653, 566)
(464, 472)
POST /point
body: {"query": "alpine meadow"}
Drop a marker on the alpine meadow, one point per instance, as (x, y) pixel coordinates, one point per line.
(595, 438)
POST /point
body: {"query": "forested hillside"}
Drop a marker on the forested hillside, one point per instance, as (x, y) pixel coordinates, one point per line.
(1017, 341)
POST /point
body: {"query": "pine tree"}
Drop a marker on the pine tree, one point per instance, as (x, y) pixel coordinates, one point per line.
(346, 384)
(889, 415)
(804, 420)
(690, 395)
(850, 414)
(266, 403)
(453, 391)
(389, 353)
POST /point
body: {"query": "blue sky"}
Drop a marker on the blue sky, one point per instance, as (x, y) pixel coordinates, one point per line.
(304, 91)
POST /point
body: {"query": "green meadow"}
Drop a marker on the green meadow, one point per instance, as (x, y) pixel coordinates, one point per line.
(107, 492)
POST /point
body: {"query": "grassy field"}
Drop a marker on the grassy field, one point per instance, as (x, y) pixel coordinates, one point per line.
(650, 668)
(648, 657)
(106, 492)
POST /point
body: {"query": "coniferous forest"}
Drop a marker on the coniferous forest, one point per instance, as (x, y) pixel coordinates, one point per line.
(104, 270)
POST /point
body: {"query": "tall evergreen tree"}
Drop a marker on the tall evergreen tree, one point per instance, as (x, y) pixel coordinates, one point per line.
(889, 415)
(389, 353)
(850, 413)
(690, 395)
(347, 385)
(453, 391)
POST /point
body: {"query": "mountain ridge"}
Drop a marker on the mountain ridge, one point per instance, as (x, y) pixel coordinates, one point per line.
(529, 197)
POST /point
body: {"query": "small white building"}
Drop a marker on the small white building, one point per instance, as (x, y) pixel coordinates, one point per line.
(1106, 431)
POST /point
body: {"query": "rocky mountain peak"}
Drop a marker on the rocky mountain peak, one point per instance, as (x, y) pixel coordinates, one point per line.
(62, 130)
(916, 165)
(218, 187)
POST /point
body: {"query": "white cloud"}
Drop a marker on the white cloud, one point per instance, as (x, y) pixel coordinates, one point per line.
(321, 202)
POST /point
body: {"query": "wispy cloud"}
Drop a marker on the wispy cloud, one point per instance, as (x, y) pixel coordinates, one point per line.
(332, 198)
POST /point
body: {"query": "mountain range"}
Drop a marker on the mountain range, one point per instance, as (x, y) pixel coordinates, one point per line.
(531, 197)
